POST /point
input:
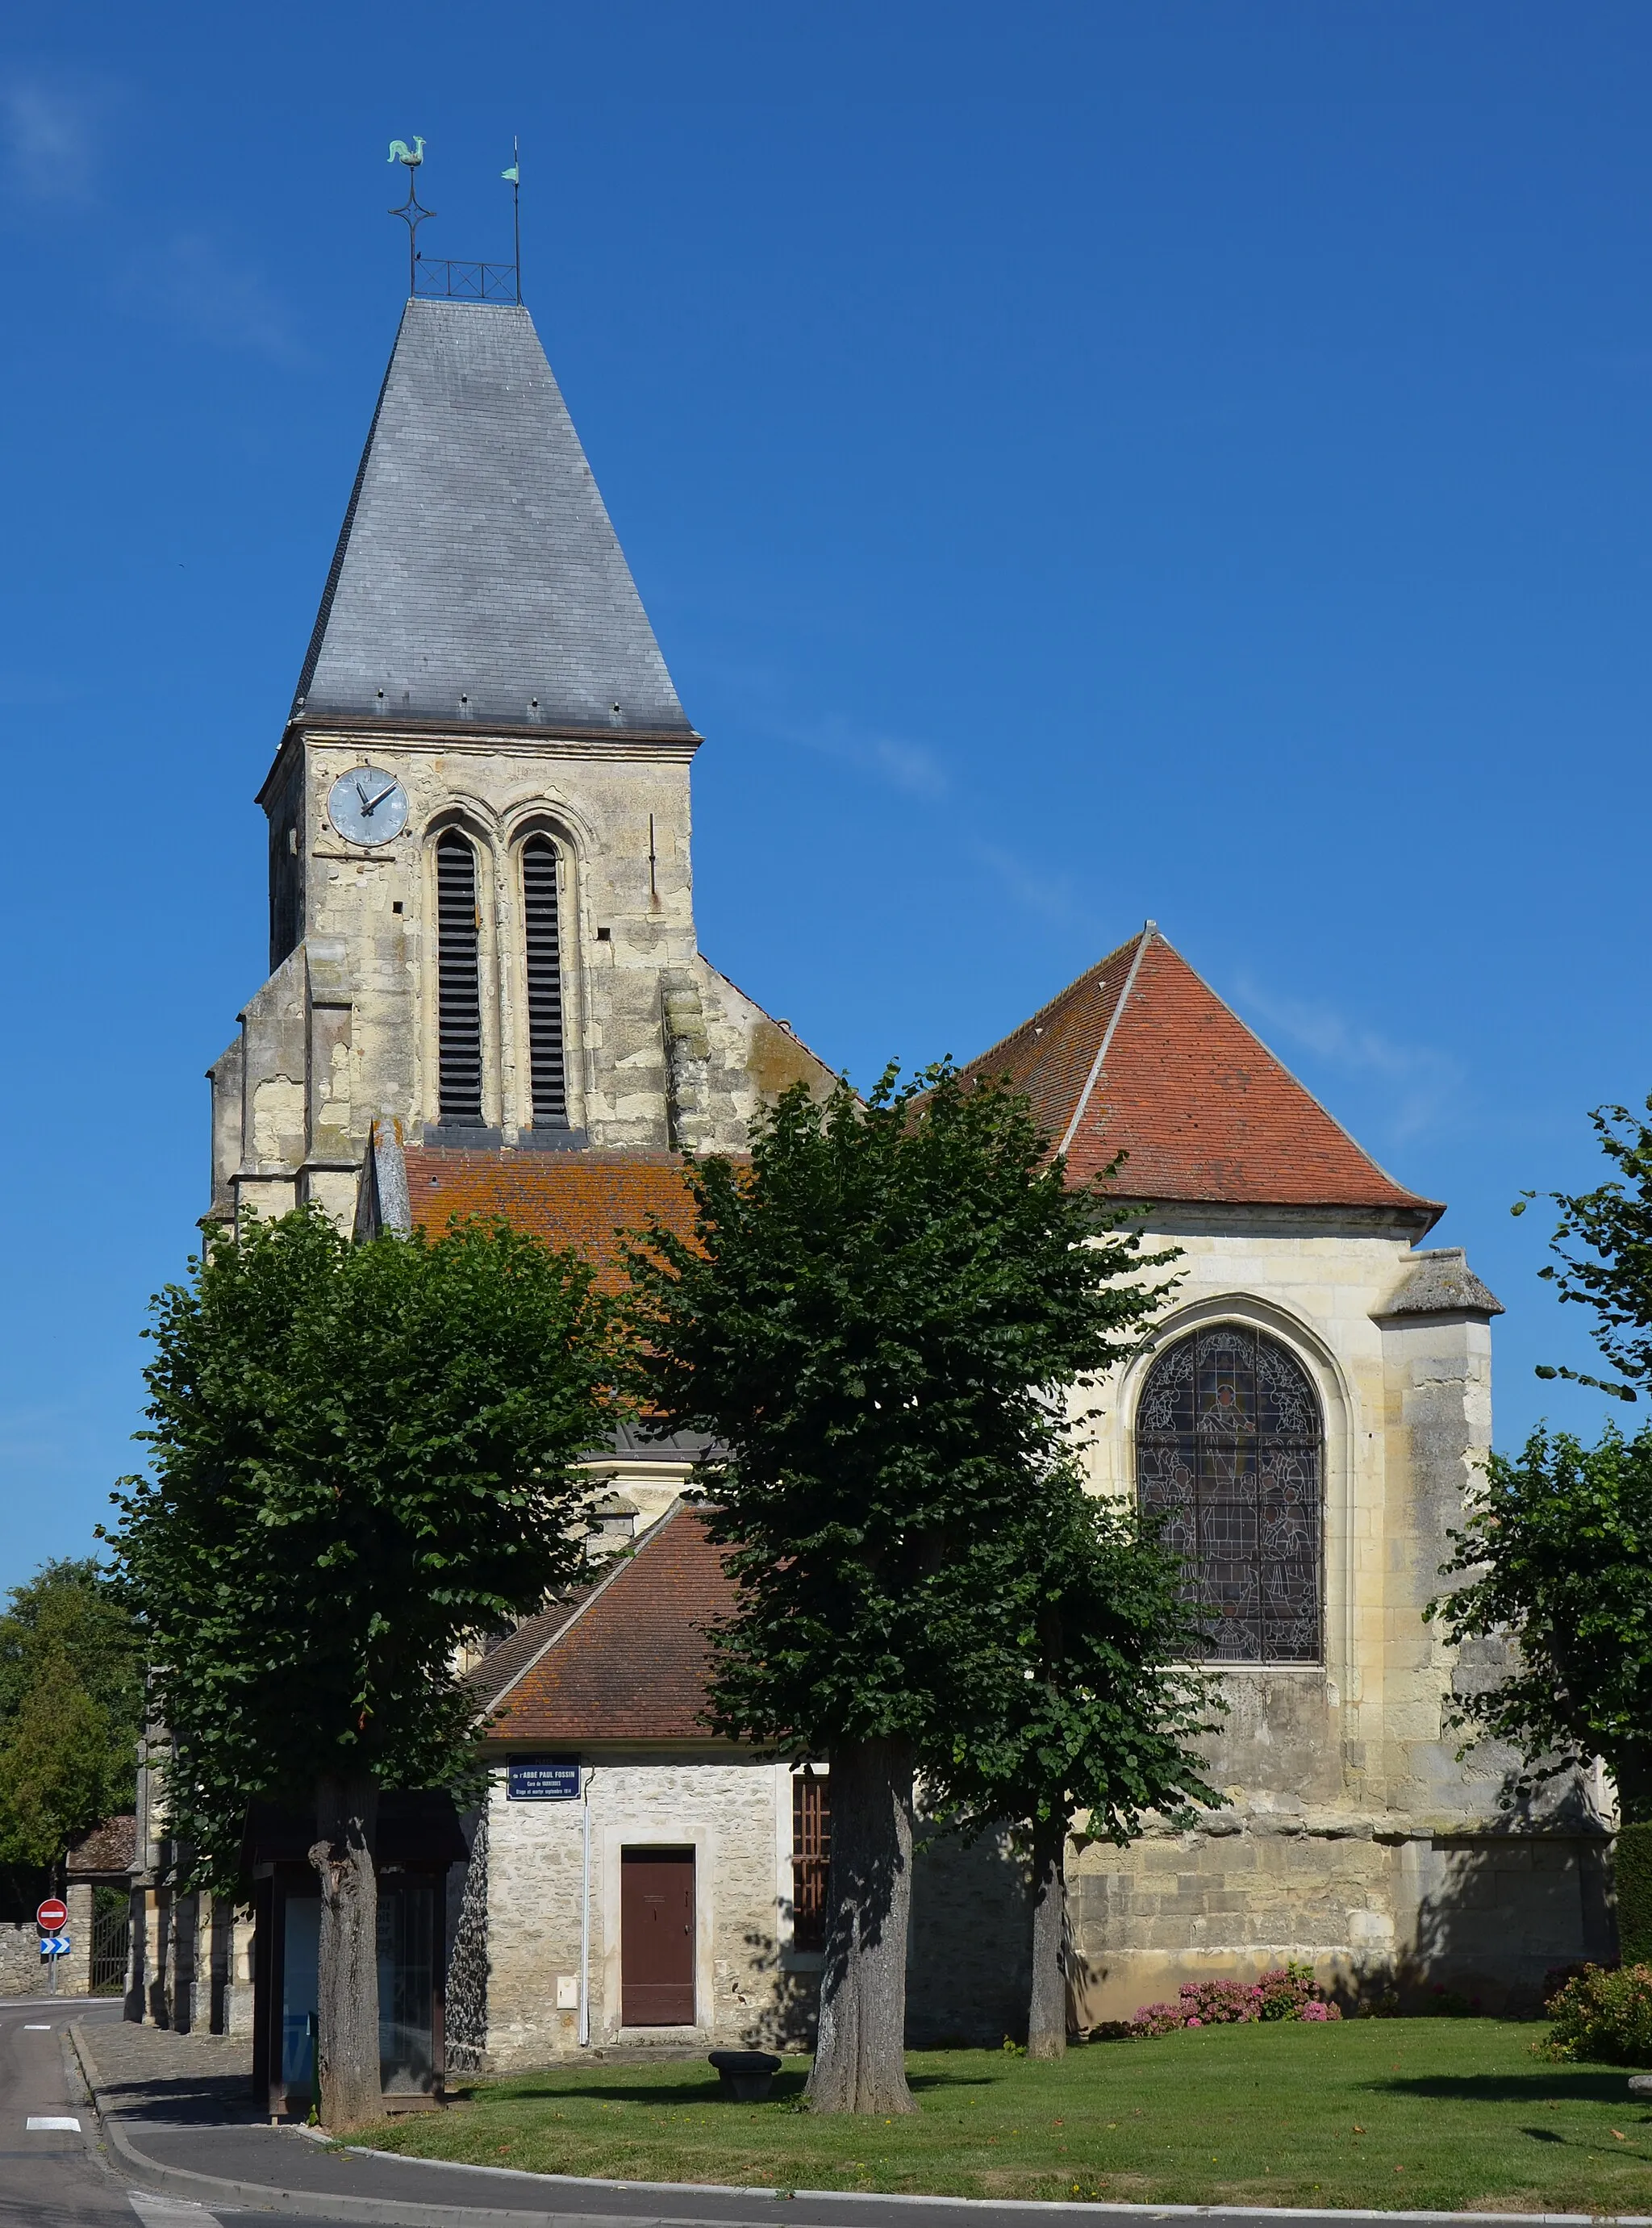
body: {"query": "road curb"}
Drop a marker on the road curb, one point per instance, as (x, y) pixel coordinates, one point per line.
(395, 2212)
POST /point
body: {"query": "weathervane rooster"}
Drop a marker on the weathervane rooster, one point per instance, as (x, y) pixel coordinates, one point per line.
(410, 212)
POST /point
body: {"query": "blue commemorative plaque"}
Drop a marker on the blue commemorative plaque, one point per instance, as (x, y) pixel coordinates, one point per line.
(542, 1778)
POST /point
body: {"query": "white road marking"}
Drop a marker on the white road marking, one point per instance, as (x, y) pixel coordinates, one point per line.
(169, 2211)
(35, 2027)
(48, 2123)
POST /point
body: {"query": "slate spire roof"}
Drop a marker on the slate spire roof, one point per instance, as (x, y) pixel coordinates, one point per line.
(1140, 1056)
(477, 576)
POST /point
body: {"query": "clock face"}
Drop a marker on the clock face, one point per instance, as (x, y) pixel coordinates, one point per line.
(367, 805)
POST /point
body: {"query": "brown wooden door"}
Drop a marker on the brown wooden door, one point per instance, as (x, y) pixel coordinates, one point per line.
(656, 1937)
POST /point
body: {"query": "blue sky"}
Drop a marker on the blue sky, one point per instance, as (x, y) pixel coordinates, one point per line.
(1082, 463)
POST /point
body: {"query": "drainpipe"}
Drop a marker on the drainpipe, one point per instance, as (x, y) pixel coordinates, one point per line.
(585, 1915)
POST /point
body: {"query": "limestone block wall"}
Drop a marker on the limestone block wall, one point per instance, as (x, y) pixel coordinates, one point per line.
(1356, 1836)
(662, 1050)
(619, 815)
(24, 1972)
(1438, 1428)
(1406, 1406)
(969, 1951)
(191, 1962)
(1371, 1906)
(727, 1808)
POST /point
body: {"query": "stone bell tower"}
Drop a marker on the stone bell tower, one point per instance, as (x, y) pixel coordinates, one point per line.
(481, 914)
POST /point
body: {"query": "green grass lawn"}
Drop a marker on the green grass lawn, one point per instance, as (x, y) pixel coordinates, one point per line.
(1423, 2114)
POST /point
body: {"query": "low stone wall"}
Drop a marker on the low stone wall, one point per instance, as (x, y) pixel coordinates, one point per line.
(1374, 1903)
(24, 1972)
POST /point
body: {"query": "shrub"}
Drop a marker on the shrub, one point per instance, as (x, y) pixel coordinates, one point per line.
(1632, 1879)
(1604, 2014)
(1284, 1992)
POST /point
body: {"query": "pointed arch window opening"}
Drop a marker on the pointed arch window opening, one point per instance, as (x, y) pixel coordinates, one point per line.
(1230, 1454)
(459, 931)
(546, 1023)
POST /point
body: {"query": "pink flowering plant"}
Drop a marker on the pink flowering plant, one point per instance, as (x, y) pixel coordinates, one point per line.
(1285, 1991)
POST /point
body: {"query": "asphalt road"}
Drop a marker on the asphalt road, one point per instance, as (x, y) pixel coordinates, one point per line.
(58, 2177)
(61, 2176)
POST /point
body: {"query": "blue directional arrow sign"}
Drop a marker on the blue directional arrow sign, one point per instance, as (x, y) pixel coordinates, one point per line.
(55, 1945)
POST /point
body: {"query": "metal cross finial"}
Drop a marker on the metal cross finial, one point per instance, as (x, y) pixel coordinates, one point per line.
(411, 215)
(513, 178)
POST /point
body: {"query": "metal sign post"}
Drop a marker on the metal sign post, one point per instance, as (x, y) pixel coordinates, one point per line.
(51, 1917)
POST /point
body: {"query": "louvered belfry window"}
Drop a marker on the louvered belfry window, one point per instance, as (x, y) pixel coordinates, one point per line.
(459, 984)
(1230, 1453)
(546, 1052)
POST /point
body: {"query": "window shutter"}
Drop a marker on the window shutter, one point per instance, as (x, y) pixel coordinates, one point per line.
(460, 988)
(548, 1057)
(811, 1857)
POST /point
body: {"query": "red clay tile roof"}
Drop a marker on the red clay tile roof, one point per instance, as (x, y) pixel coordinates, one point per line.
(584, 1200)
(630, 1665)
(505, 1662)
(1141, 1056)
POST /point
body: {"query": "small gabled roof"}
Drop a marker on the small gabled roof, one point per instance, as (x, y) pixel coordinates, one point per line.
(631, 1662)
(1140, 1056)
(110, 1848)
(477, 569)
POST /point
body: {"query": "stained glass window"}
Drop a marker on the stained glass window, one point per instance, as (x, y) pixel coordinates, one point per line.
(1229, 1451)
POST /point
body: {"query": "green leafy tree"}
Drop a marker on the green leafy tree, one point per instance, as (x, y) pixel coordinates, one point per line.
(71, 1709)
(1557, 1557)
(1603, 1244)
(360, 1455)
(1084, 1698)
(879, 1321)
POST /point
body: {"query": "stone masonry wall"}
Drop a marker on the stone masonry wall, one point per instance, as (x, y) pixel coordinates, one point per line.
(24, 1972)
(662, 1050)
(1355, 1837)
(1485, 1915)
(727, 1810)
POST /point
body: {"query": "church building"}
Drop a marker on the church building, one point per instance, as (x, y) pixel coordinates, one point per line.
(486, 994)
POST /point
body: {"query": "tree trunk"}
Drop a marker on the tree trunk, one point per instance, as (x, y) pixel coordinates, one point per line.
(346, 2037)
(1046, 2010)
(860, 2050)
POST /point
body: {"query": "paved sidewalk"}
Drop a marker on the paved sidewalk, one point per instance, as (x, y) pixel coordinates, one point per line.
(176, 2112)
(149, 2075)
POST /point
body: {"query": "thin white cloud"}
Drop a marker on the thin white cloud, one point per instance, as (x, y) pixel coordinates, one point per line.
(1426, 1083)
(48, 139)
(1033, 886)
(194, 283)
(912, 768)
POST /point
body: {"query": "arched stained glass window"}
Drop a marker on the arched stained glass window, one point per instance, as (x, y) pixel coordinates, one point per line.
(1229, 1451)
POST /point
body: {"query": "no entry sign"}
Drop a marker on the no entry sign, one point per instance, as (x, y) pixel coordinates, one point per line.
(53, 1916)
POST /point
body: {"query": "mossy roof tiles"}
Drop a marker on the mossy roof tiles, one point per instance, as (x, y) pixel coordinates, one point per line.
(631, 1661)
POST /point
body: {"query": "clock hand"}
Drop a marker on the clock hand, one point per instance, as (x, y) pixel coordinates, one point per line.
(379, 799)
(361, 793)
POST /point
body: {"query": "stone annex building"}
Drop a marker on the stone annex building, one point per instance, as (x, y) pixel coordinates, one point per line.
(486, 993)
